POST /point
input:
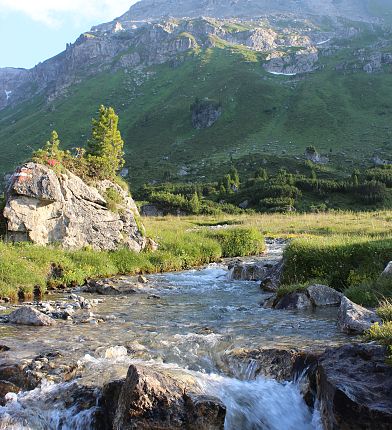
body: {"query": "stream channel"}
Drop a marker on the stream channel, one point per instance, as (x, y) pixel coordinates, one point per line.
(184, 321)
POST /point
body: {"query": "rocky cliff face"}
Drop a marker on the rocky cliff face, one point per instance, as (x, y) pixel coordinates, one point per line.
(48, 208)
(148, 9)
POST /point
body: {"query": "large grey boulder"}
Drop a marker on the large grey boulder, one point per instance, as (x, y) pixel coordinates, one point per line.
(313, 296)
(292, 301)
(27, 315)
(353, 318)
(48, 208)
(321, 295)
(354, 386)
(166, 400)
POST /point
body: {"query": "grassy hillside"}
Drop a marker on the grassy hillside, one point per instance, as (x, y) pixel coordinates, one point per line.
(345, 115)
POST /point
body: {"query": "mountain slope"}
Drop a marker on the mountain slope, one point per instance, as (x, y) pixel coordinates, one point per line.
(195, 94)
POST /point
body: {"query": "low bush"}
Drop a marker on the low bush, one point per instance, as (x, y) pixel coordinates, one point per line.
(293, 288)
(381, 333)
(384, 310)
(237, 242)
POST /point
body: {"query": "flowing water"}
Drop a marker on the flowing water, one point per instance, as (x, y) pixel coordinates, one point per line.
(184, 321)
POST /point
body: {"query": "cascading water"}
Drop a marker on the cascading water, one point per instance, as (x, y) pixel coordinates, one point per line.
(188, 320)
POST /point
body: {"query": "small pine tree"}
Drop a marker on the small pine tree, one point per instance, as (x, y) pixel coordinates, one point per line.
(195, 204)
(235, 177)
(51, 153)
(105, 147)
(261, 174)
(355, 177)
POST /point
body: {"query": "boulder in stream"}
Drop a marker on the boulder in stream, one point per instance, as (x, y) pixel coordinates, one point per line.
(295, 300)
(269, 272)
(27, 315)
(354, 319)
(354, 388)
(312, 296)
(282, 364)
(151, 400)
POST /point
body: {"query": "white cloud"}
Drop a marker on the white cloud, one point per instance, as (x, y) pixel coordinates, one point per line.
(52, 12)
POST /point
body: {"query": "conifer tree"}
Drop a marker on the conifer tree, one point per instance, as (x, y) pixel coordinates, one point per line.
(105, 147)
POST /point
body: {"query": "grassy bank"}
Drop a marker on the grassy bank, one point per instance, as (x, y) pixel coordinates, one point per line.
(346, 249)
(23, 267)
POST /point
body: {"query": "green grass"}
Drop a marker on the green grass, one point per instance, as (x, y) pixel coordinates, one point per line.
(187, 242)
(292, 288)
(382, 333)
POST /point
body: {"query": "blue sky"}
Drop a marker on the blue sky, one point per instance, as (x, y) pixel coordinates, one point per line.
(32, 31)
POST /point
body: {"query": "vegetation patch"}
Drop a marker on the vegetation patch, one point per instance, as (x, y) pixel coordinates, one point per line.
(382, 333)
(350, 264)
(239, 241)
(179, 249)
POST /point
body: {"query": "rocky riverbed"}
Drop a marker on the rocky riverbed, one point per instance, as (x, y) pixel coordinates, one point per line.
(197, 342)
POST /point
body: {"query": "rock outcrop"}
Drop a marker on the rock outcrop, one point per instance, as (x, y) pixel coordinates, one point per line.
(151, 400)
(354, 386)
(276, 363)
(48, 208)
(354, 319)
(205, 113)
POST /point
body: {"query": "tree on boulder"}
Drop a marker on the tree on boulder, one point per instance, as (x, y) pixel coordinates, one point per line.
(105, 147)
(50, 154)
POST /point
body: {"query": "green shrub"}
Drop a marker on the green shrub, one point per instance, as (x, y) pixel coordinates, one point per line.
(239, 241)
(384, 310)
(381, 333)
(113, 199)
(293, 288)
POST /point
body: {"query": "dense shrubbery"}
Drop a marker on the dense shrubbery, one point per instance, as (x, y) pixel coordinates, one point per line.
(283, 191)
(347, 264)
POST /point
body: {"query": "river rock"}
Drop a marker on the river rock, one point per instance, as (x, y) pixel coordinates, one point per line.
(296, 300)
(46, 208)
(388, 270)
(149, 400)
(321, 295)
(15, 377)
(267, 271)
(355, 319)
(27, 315)
(354, 388)
(105, 288)
(277, 363)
